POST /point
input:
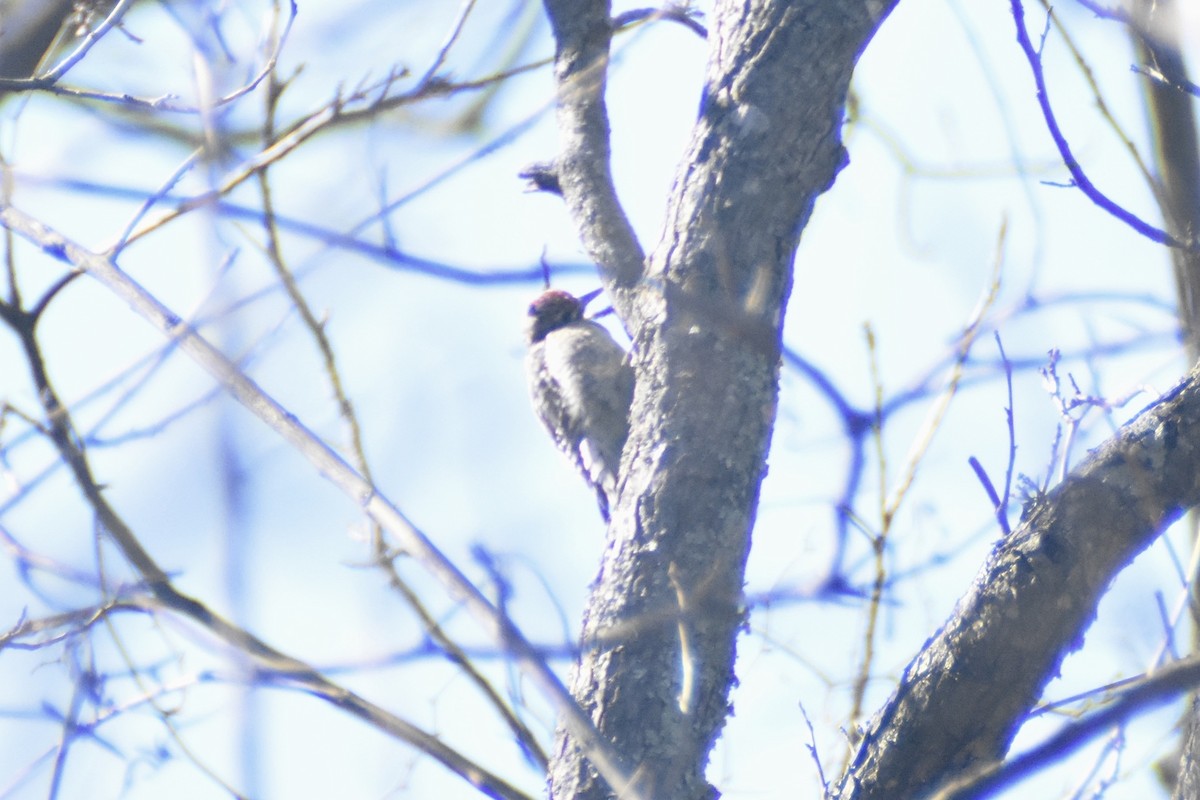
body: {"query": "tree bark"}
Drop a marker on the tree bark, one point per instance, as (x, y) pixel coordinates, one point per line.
(705, 315)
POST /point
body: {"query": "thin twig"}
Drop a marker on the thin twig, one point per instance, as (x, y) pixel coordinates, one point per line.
(335, 469)
(1080, 178)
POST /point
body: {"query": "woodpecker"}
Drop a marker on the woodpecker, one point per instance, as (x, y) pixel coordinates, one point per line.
(581, 384)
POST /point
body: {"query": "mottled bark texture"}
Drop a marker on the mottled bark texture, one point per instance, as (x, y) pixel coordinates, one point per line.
(705, 314)
(961, 700)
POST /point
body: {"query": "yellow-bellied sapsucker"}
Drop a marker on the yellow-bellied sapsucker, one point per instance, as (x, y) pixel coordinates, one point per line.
(582, 386)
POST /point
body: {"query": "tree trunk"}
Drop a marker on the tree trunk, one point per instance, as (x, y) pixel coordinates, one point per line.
(705, 315)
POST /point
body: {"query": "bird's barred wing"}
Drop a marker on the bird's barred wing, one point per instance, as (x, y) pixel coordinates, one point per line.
(582, 391)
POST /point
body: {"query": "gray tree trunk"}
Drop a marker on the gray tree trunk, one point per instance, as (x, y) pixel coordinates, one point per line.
(705, 314)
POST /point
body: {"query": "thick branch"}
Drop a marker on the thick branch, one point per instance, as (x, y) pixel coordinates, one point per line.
(582, 31)
(962, 699)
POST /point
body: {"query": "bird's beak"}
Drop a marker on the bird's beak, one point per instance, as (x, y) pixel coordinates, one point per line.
(584, 299)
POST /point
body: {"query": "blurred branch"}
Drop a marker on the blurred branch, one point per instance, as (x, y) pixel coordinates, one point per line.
(1176, 152)
(1078, 176)
(61, 431)
(271, 666)
(360, 104)
(94, 35)
(331, 466)
(383, 557)
(49, 82)
(890, 502)
(1101, 104)
(1153, 690)
(672, 12)
(857, 423)
(30, 28)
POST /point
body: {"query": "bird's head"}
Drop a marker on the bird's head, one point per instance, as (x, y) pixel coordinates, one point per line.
(553, 309)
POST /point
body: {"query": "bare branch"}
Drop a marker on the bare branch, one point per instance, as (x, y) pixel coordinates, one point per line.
(334, 469)
(1080, 178)
(961, 700)
(1160, 687)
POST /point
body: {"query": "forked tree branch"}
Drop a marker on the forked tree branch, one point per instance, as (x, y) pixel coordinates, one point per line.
(661, 626)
